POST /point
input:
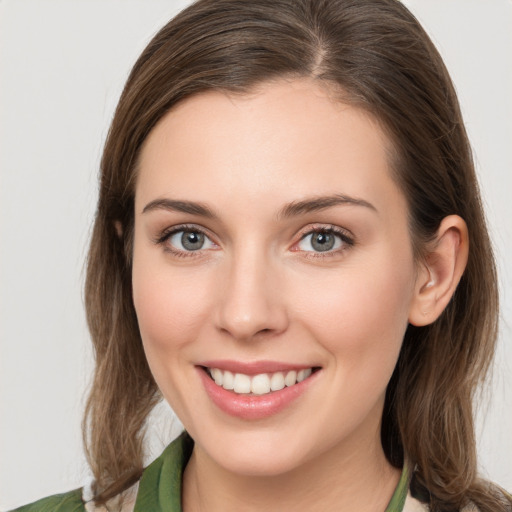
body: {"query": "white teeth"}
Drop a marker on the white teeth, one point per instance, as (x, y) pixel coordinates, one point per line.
(291, 378)
(258, 384)
(217, 376)
(277, 381)
(303, 374)
(228, 380)
(242, 383)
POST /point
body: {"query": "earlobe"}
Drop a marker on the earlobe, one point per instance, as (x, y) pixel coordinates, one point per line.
(440, 272)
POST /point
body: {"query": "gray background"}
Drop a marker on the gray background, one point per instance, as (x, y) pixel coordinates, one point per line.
(62, 66)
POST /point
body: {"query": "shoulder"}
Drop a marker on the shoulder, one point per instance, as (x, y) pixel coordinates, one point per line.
(67, 502)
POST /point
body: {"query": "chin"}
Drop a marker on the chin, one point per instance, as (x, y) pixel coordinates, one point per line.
(258, 453)
(260, 464)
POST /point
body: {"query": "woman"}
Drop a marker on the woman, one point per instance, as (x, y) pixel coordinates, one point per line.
(289, 248)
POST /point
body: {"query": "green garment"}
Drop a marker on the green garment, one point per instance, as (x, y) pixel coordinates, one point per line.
(160, 486)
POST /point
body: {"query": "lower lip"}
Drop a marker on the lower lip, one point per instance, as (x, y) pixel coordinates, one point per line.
(254, 407)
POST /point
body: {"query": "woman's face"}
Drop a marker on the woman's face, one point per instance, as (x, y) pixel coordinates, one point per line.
(271, 246)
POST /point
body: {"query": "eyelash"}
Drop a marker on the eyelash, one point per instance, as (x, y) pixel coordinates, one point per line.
(346, 239)
(164, 237)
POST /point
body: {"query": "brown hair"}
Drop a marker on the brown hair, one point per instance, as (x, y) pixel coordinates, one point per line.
(377, 54)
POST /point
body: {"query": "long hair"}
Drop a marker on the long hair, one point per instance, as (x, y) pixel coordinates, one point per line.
(377, 56)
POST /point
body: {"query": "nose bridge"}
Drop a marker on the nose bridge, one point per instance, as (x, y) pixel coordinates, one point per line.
(249, 302)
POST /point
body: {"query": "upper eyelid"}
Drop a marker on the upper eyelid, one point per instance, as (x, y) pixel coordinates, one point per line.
(326, 228)
(171, 230)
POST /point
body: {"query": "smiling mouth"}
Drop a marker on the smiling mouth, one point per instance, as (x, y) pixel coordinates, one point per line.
(261, 384)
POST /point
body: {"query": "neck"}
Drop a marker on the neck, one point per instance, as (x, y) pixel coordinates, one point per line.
(338, 480)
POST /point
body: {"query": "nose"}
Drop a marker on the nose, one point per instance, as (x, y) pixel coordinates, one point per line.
(250, 300)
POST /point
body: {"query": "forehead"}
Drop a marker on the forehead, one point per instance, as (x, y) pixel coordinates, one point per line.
(283, 140)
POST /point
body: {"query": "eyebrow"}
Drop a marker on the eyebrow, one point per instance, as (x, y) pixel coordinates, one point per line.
(191, 207)
(316, 204)
(292, 209)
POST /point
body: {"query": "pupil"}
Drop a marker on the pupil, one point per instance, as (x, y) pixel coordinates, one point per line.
(192, 241)
(323, 241)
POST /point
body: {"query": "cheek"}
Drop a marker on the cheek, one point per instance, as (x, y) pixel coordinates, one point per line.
(360, 314)
(170, 306)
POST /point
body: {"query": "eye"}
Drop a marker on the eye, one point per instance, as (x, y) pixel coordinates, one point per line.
(187, 240)
(324, 240)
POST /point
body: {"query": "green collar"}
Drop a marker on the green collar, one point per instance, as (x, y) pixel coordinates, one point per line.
(397, 502)
(160, 485)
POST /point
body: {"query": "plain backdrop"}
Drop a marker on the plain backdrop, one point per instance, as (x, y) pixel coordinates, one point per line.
(62, 67)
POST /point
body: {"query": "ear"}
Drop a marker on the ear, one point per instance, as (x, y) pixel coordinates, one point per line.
(440, 272)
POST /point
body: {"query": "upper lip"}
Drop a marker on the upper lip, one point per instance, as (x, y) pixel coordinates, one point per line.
(254, 367)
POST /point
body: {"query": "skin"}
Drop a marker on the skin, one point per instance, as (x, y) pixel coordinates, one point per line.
(257, 290)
